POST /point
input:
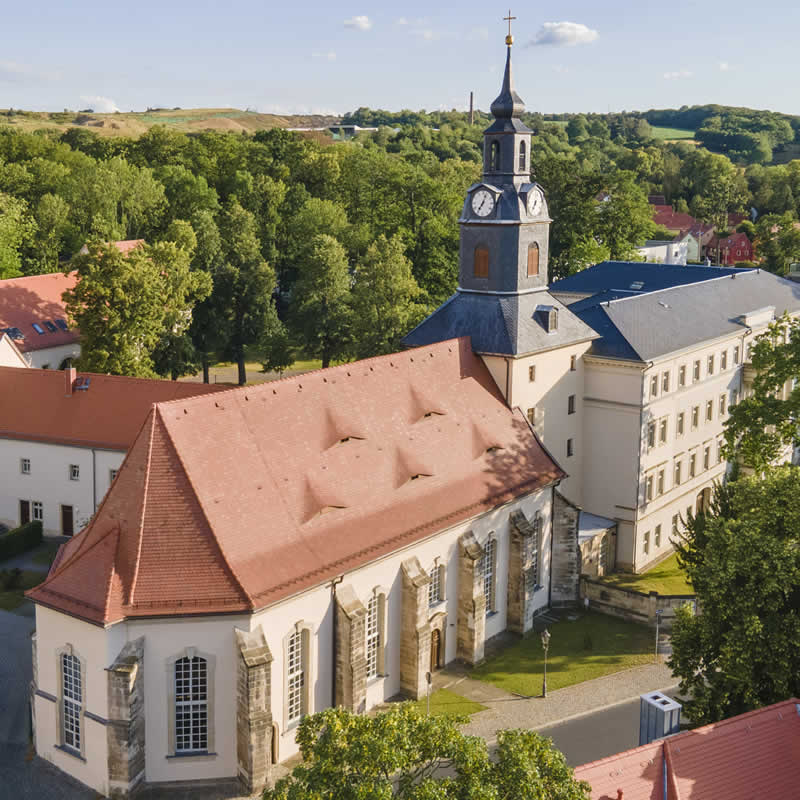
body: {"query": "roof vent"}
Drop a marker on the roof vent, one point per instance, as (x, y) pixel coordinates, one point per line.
(637, 285)
(82, 383)
(547, 317)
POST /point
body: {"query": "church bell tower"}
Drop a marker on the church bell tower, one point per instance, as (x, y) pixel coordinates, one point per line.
(505, 223)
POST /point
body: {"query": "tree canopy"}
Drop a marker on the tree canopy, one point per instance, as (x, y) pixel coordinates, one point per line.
(404, 754)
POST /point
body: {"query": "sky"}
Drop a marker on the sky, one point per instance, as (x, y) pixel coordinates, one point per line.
(311, 56)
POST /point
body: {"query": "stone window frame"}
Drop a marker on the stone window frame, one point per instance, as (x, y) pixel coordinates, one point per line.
(693, 464)
(695, 417)
(488, 570)
(723, 404)
(25, 466)
(306, 629)
(380, 594)
(696, 371)
(651, 434)
(711, 363)
(211, 668)
(74, 472)
(709, 410)
(661, 482)
(680, 423)
(663, 430)
(676, 472)
(657, 536)
(69, 650)
(723, 360)
(649, 486)
(664, 382)
(654, 386)
(682, 375)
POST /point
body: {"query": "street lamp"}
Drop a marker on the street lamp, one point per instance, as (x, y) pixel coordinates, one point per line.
(545, 645)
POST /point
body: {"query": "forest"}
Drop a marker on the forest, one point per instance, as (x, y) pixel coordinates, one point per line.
(272, 244)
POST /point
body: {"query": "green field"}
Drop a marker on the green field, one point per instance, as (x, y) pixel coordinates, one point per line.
(671, 134)
(446, 702)
(665, 578)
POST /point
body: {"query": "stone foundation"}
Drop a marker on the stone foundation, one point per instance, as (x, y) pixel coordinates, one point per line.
(471, 625)
(125, 729)
(351, 655)
(253, 711)
(415, 641)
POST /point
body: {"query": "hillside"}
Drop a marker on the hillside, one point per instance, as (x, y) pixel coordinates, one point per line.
(134, 123)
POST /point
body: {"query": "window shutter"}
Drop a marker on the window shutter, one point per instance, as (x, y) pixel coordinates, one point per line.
(533, 260)
(481, 266)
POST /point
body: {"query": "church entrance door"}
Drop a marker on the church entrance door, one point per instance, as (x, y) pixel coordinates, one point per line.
(436, 648)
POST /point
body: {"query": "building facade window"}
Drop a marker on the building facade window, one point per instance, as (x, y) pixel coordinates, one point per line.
(494, 156)
(707, 457)
(112, 474)
(709, 410)
(434, 587)
(651, 434)
(71, 701)
(657, 536)
(532, 373)
(678, 467)
(695, 416)
(665, 382)
(533, 260)
(74, 472)
(295, 677)
(710, 366)
(736, 354)
(374, 634)
(661, 485)
(37, 510)
(481, 262)
(720, 453)
(573, 363)
(646, 542)
(25, 466)
(723, 360)
(692, 465)
(191, 704)
(648, 491)
(486, 567)
(723, 401)
(532, 416)
(675, 524)
(522, 156)
(682, 375)
(571, 404)
(696, 371)
(654, 386)
(662, 431)
(679, 424)
(569, 448)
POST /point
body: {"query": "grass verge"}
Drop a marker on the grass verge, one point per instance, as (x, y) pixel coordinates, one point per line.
(446, 702)
(665, 578)
(11, 599)
(589, 647)
(46, 554)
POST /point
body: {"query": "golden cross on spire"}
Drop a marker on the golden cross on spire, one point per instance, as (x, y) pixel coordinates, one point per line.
(509, 18)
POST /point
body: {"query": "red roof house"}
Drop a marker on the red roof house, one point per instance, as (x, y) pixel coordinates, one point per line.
(730, 249)
(753, 755)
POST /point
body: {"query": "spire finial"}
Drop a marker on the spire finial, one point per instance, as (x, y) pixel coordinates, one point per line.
(509, 38)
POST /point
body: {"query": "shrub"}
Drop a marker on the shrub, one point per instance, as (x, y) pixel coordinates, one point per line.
(26, 537)
(10, 578)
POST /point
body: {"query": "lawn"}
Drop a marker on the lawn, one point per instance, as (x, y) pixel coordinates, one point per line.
(12, 598)
(670, 134)
(45, 554)
(665, 578)
(589, 647)
(444, 701)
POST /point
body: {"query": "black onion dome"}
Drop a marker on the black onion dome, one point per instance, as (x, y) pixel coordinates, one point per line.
(508, 103)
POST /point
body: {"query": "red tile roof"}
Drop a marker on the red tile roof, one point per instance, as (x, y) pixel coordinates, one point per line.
(233, 501)
(35, 406)
(753, 755)
(124, 246)
(36, 299)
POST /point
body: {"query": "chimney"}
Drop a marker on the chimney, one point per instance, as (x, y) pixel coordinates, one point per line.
(70, 373)
(471, 108)
(620, 793)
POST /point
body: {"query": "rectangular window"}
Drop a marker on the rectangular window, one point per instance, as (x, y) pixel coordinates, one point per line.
(72, 700)
(696, 371)
(573, 363)
(720, 454)
(707, 457)
(651, 434)
(25, 466)
(646, 543)
(709, 410)
(665, 382)
(675, 524)
(654, 386)
(434, 588)
(569, 448)
(37, 510)
(657, 536)
(373, 635)
(678, 467)
(723, 360)
(649, 488)
(695, 416)
(296, 677)
(682, 375)
(661, 482)
(481, 264)
(662, 431)
(532, 373)
(112, 474)
(679, 424)
(723, 403)
(74, 472)
(532, 416)
(710, 366)
(486, 567)
(736, 354)
(692, 465)
(571, 404)
(191, 705)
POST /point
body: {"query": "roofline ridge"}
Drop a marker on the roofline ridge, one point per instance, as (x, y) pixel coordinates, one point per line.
(625, 753)
(748, 271)
(149, 419)
(244, 593)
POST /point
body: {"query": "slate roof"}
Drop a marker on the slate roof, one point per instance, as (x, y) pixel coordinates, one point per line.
(751, 755)
(620, 275)
(35, 406)
(233, 501)
(647, 326)
(36, 299)
(500, 324)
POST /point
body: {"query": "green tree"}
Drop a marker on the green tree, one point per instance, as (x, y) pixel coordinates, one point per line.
(384, 297)
(53, 231)
(764, 423)
(404, 754)
(16, 227)
(743, 559)
(319, 311)
(778, 241)
(124, 305)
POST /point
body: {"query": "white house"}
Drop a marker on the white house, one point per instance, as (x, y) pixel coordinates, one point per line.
(10, 355)
(665, 252)
(63, 436)
(274, 550)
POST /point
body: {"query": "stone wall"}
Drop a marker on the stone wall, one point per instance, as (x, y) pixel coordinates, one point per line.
(633, 606)
(565, 566)
(351, 656)
(125, 730)
(253, 710)
(415, 636)
(524, 554)
(471, 625)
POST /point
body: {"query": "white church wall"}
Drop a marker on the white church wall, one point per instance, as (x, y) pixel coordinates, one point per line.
(9, 355)
(52, 357)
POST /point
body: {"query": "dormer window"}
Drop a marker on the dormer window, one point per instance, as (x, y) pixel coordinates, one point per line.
(481, 264)
(522, 156)
(533, 259)
(494, 157)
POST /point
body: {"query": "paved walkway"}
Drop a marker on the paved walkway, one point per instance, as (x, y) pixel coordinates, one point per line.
(511, 711)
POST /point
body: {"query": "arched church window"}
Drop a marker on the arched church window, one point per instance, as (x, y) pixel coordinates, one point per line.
(522, 156)
(533, 260)
(481, 264)
(494, 157)
(71, 701)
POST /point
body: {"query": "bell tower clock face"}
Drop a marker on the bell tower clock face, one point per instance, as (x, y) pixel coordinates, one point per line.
(483, 203)
(535, 202)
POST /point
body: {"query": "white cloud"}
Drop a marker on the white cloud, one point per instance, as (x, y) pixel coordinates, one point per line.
(358, 23)
(677, 75)
(14, 72)
(563, 34)
(401, 21)
(724, 66)
(103, 105)
(329, 56)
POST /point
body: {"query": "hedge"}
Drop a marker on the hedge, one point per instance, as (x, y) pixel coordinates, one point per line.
(26, 537)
